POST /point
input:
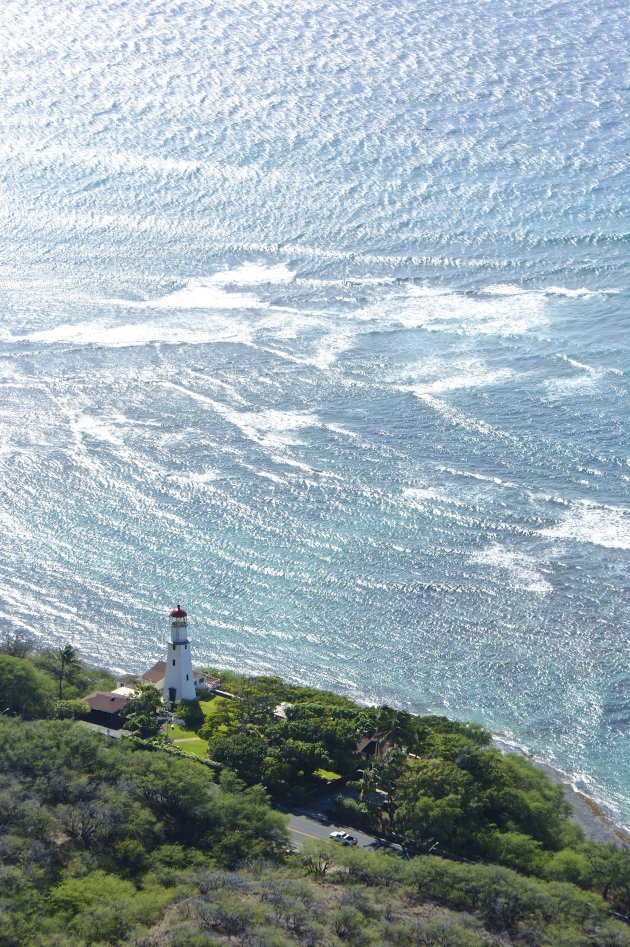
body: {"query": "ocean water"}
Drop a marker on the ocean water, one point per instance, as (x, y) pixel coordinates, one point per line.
(315, 317)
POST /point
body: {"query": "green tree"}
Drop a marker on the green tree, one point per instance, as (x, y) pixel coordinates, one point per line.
(177, 790)
(190, 713)
(68, 658)
(143, 709)
(23, 689)
(292, 764)
(609, 872)
(242, 752)
(318, 857)
(16, 644)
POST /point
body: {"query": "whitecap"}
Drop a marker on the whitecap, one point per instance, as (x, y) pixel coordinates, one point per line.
(458, 418)
(575, 364)
(252, 274)
(337, 429)
(521, 569)
(107, 335)
(503, 289)
(270, 476)
(429, 292)
(601, 525)
(505, 315)
(577, 293)
(476, 376)
(292, 463)
(271, 428)
(204, 294)
(422, 494)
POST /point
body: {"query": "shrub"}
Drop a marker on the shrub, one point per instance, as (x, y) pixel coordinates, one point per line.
(24, 689)
(346, 809)
(74, 709)
(190, 713)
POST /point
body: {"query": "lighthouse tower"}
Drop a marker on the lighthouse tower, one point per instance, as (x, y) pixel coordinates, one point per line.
(178, 678)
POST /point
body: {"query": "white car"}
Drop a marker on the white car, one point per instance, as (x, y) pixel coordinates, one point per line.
(343, 837)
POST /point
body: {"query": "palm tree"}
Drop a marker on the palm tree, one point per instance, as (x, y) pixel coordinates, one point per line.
(68, 658)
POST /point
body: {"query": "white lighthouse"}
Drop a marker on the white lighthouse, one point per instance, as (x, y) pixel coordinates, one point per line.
(178, 678)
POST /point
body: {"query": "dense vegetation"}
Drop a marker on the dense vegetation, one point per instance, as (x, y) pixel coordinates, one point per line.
(439, 782)
(136, 842)
(94, 834)
(46, 682)
(105, 843)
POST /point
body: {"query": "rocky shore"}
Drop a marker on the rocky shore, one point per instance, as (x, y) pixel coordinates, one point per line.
(589, 815)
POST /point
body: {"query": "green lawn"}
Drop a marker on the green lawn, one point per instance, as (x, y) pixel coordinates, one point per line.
(178, 733)
(210, 707)
(327, 774)
(198, 747)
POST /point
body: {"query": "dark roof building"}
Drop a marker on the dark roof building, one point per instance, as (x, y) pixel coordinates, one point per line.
(105, 702)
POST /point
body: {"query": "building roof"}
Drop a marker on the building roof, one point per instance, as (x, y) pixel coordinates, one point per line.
(125, 679)
(373, 746)
(178, 612)
(106, 702)
(156, 673)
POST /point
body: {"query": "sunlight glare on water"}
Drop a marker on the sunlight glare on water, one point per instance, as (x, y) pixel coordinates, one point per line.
(315, 317)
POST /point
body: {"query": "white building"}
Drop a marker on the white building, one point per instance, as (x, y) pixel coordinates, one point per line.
(178, 677)
(175, 678)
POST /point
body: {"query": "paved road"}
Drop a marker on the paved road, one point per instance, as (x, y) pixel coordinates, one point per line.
(305, 826)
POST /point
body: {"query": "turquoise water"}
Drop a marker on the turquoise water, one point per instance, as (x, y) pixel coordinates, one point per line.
(315, 317)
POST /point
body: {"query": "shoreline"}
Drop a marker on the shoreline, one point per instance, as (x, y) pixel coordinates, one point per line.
(596, 823)
(590, 815)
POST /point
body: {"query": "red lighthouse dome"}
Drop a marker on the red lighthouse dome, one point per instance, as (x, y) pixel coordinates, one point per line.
(178, 612)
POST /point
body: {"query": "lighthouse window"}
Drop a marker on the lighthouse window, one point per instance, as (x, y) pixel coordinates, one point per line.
(174, 648)
(173, 662)
(186, 677)
(185, 647)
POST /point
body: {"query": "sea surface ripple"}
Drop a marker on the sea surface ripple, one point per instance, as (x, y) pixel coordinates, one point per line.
(315, 316)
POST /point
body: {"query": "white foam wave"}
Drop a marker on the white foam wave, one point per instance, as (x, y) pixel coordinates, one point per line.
(252, 274)
(476, 376)
(267, 475)
(577, 293)
(502, 740)
(575, 364)
(272, 428)
(520, 568)
(503, 289)
(345, 281)
(588, 377)
(329, 348)
(289, 462)
(199, 479)
(337, 429)
(269, 429)
(123, 161)
(512, 314)
(325, 352)
(477, 476)
(585, 522)
(428, 292)
(101, 333)
(458, 418)
(204, 294)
